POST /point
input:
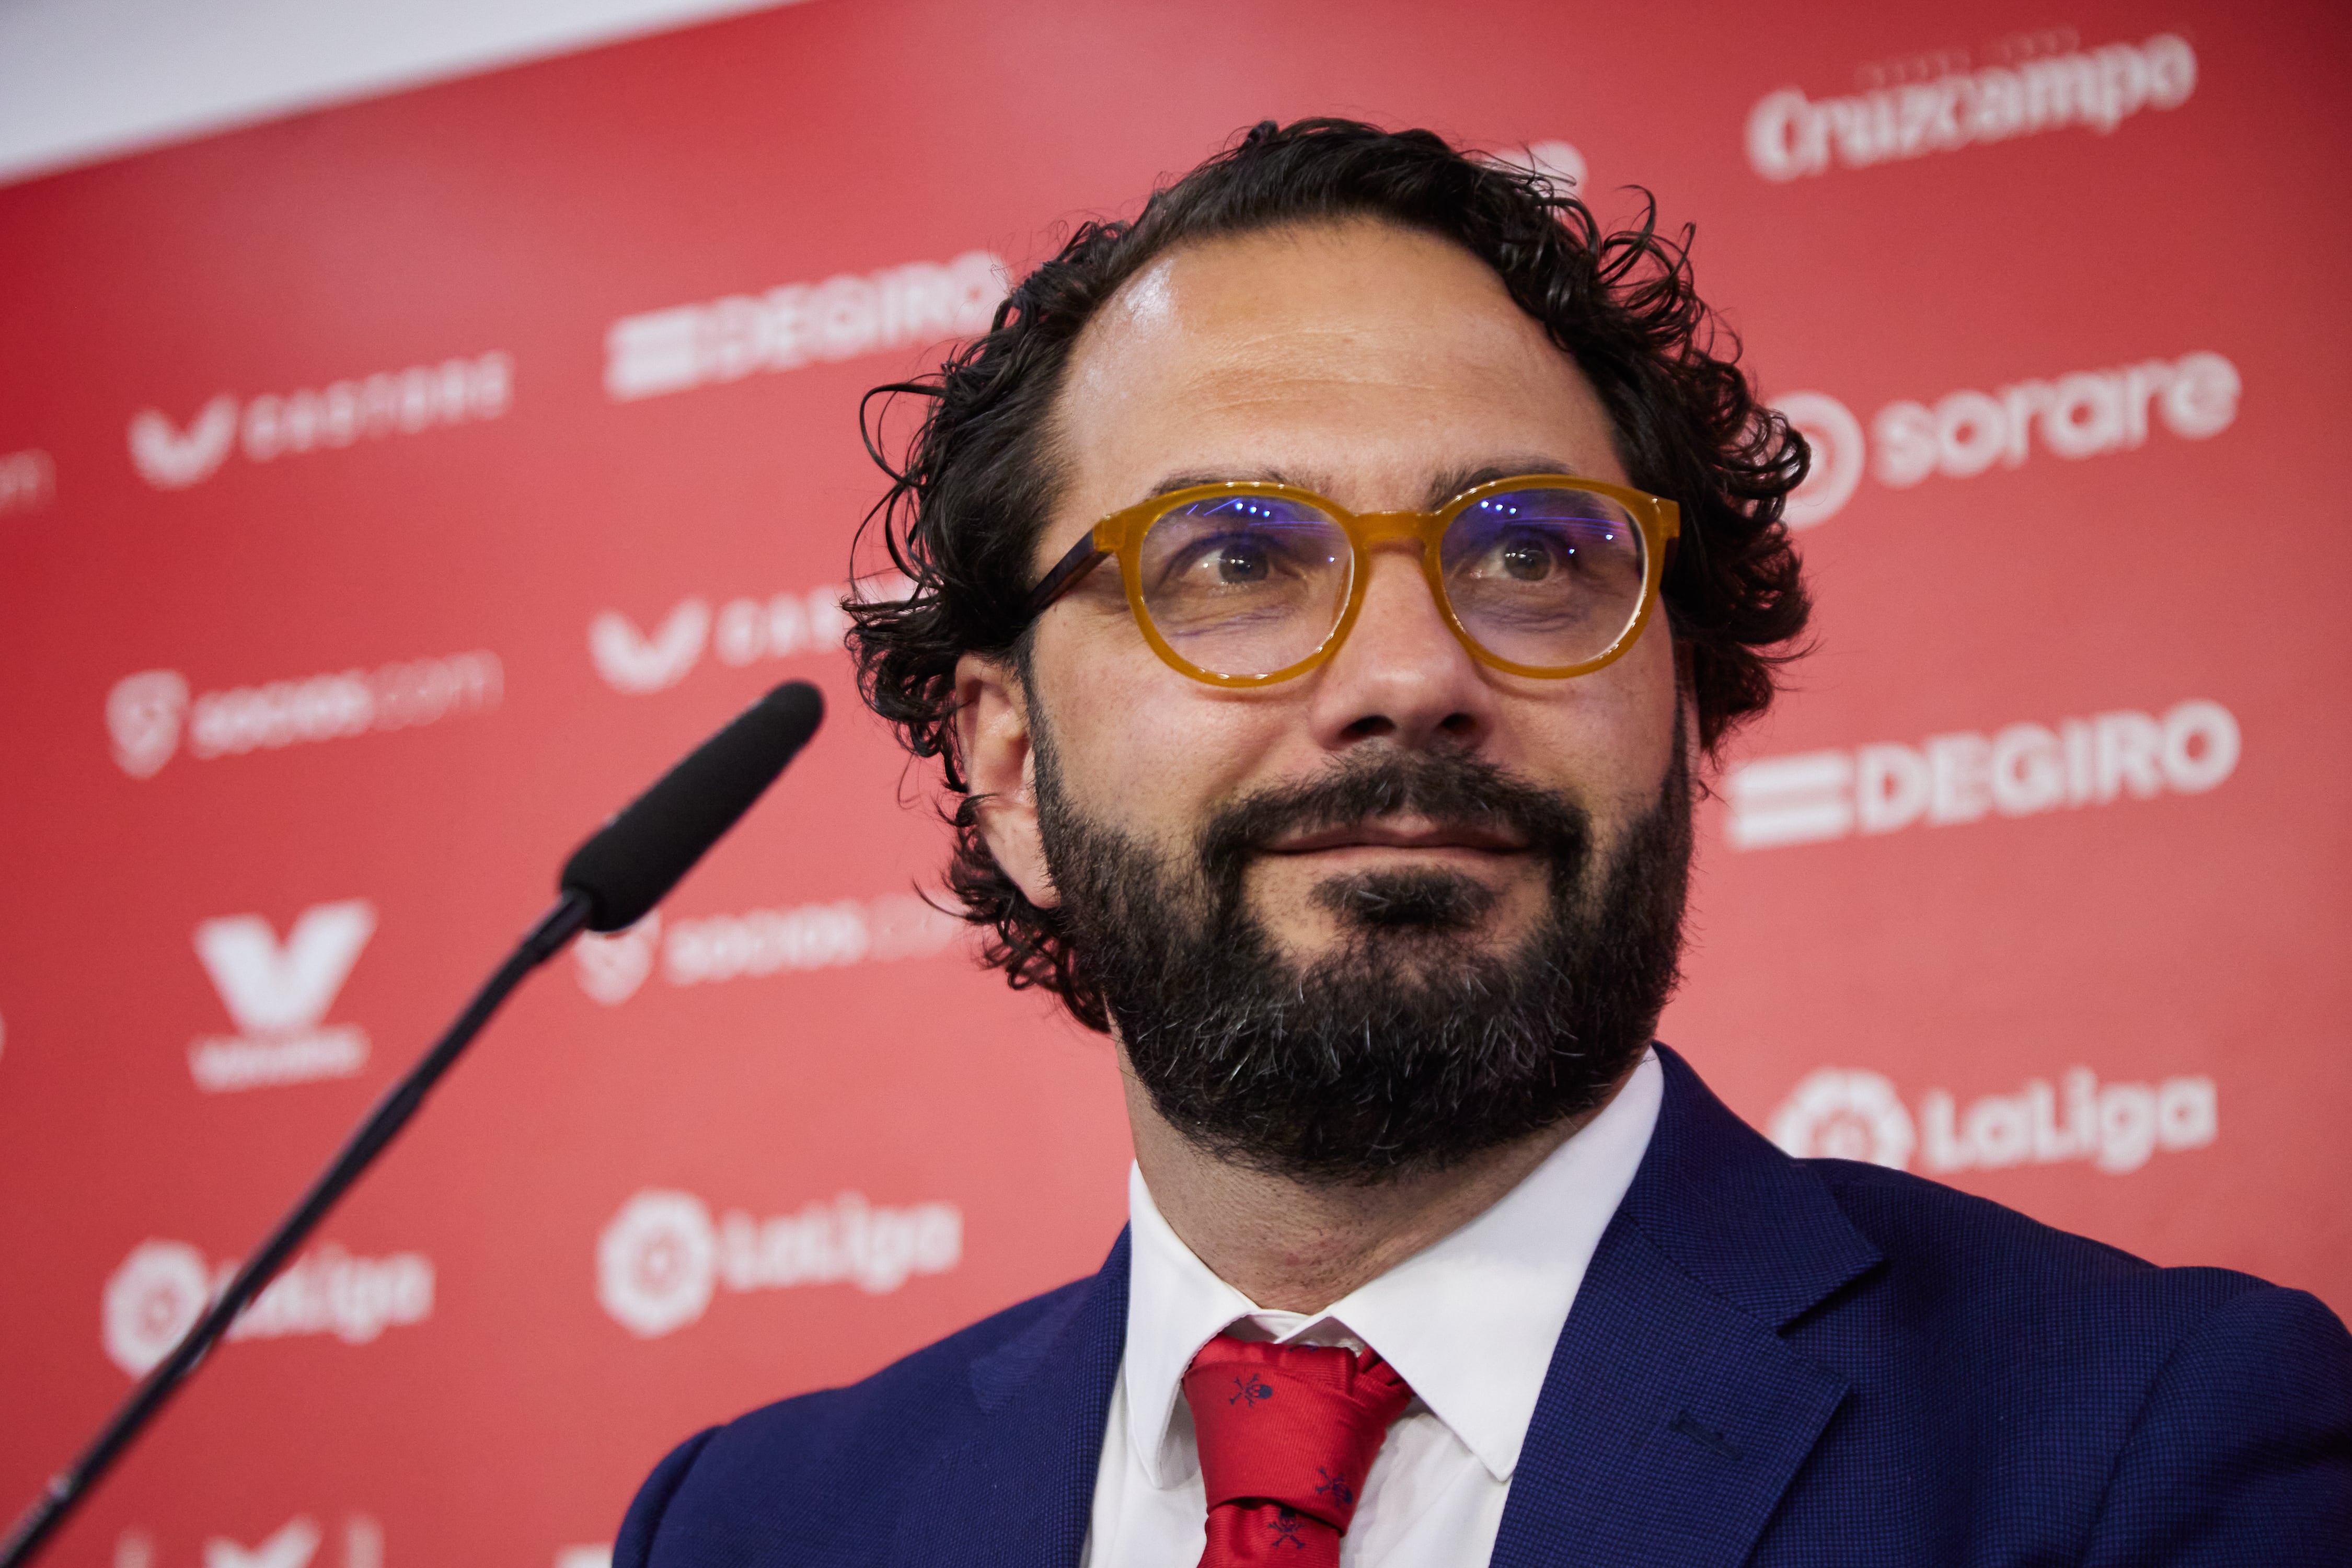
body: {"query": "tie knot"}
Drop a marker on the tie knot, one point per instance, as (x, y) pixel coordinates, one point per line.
(1296, 1426)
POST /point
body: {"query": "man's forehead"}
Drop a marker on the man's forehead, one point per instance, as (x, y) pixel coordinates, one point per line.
(1323, 356)
(1299, 292)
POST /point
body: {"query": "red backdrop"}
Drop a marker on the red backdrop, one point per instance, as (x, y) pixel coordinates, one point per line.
(387, 492)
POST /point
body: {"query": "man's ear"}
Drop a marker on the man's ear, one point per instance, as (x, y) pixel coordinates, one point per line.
(996, 747)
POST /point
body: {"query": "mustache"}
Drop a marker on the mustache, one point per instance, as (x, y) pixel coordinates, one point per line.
(1452, 789)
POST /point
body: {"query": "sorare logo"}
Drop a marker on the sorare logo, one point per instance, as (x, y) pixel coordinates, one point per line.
(1963, 434)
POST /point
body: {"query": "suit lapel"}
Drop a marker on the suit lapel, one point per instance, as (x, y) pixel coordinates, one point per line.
(1674, 1415)
(1020, 1494)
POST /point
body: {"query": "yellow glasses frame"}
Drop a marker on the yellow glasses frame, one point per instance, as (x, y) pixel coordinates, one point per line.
(1121, 535)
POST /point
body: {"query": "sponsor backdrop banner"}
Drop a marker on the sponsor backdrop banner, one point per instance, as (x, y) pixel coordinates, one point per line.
(388, 492)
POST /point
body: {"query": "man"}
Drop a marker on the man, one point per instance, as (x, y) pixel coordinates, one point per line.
(1325, 589)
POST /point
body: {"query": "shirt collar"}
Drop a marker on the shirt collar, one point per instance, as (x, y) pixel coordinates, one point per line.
(1470, 1322)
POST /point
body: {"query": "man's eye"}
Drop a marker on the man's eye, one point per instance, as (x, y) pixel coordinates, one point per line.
(1239, 561)
(1526, 560)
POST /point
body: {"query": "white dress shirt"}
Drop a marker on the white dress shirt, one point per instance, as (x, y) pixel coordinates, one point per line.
(1469, 1322)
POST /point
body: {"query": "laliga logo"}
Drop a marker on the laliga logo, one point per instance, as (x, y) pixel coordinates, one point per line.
(277, 996)
(156, 1295)
(294, 1545)
(1844, 1114)
(151, 1303)
(660, 1258)
(390, 403)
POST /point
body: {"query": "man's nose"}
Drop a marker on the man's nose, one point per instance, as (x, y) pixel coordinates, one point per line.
(1401, 675)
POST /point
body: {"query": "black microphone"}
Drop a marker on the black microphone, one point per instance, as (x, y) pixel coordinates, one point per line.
(625, 869)
(632, 862)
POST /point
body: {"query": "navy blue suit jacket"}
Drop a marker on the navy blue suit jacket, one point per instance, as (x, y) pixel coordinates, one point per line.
(1770, 1361)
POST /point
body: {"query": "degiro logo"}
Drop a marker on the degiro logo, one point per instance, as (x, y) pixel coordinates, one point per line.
(659, 1260)
(1845, 1114)
(2085, 414)
(2021, 770)
(800, 323)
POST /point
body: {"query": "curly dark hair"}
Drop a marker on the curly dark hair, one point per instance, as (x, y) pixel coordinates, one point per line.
(978, 480)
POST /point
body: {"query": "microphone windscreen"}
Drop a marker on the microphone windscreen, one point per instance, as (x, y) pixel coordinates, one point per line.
(633, 861)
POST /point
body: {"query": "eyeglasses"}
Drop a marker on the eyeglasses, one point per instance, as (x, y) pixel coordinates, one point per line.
(1246, 584)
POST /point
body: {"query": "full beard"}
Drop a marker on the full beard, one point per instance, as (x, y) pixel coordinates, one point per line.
(1411, 1046)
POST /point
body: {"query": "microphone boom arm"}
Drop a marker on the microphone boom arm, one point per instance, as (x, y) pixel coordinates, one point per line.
(542, 942)
(623, 869)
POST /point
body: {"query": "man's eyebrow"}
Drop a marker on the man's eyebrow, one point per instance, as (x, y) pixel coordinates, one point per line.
(1453, 482)
(1187, 479)
(1448, 483)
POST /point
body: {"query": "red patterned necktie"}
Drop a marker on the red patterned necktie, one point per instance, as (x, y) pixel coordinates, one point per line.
(1287, 1433)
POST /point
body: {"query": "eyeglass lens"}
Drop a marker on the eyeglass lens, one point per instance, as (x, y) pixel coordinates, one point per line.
(1544, 577)
(1246, 584)
(1252, 585)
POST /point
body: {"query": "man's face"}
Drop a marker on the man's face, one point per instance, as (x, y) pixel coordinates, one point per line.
(1386, 370)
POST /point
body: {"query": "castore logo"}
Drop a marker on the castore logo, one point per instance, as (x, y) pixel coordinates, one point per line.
(744, 631)
(390, 403)
(631, 661)
(171, 458)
